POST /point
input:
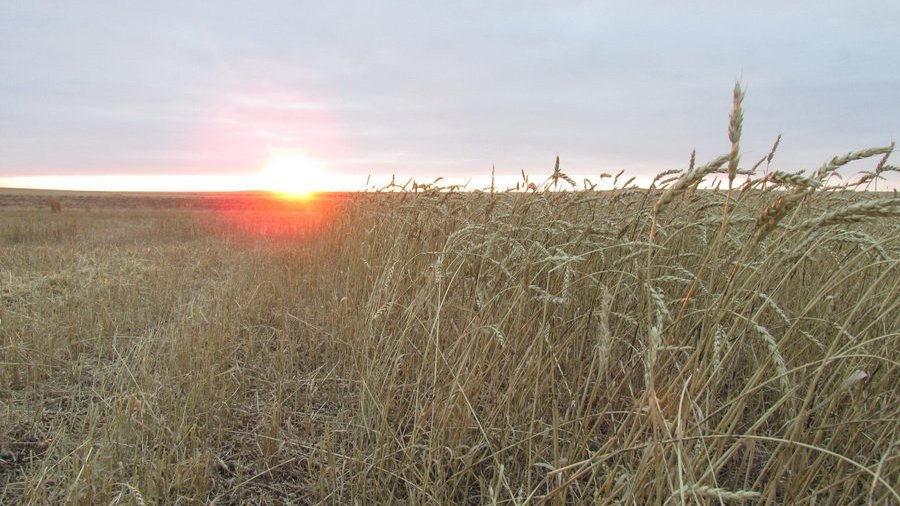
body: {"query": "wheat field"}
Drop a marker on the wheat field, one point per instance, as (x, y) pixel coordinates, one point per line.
(677, 344)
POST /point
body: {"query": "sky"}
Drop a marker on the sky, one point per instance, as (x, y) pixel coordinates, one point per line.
(227, 95)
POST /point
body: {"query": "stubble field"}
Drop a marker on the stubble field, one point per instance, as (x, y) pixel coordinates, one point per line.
(672, 345)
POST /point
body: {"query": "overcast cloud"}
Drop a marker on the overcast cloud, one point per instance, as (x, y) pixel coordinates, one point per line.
(428, 88)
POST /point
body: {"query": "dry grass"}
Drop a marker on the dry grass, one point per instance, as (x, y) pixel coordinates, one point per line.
(442, 347)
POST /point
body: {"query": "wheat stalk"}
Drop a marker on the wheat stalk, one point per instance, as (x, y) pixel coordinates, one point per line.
(775, 212)
(791, 179)
(717, 493)
(861, 211)
(839, 161)
(777, 358)
(735, 125)
(688, 180)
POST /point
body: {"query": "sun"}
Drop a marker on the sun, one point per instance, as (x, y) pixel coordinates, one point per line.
(292, 174)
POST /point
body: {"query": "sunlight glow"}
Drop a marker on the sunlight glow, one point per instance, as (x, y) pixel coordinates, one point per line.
(292, 174)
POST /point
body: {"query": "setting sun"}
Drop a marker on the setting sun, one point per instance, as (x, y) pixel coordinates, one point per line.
(292, 174)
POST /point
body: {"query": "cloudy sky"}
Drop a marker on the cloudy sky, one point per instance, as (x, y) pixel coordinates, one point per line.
(427, 88)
